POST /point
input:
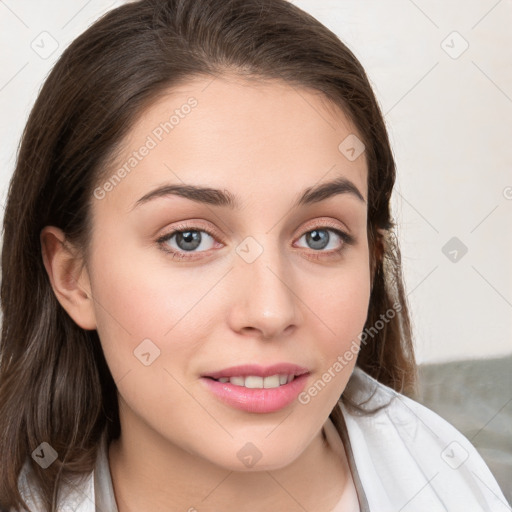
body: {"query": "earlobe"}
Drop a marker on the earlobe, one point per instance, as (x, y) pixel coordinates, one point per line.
(68, 277)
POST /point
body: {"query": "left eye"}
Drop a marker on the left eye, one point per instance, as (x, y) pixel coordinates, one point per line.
(187, 240)
(319, 238)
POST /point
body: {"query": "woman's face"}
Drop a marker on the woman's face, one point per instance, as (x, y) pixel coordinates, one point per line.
(263, 280)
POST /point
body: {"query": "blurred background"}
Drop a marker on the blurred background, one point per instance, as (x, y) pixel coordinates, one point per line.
(442, 73)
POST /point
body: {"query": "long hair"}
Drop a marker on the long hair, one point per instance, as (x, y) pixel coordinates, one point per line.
(55, 384)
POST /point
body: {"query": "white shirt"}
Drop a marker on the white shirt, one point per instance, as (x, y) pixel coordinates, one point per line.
(403, 458)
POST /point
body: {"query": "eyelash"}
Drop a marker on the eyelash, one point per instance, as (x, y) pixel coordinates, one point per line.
(345, 237)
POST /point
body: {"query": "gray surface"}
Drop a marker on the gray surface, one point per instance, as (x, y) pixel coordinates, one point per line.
(475, 396)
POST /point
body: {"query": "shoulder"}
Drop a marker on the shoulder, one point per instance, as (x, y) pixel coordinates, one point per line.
(411, 458)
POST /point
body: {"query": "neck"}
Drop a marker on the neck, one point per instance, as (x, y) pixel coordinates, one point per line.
(149, 473)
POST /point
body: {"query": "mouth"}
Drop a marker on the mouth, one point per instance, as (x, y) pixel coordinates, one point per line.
(258, 389)
(258, 377)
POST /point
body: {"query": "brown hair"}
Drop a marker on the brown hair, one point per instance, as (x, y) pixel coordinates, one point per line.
(55, 384)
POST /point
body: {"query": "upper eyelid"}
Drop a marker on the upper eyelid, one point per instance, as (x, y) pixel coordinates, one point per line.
(321, 222)
(197, 226)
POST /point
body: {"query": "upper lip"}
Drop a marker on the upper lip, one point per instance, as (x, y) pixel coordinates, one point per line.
(259, 371)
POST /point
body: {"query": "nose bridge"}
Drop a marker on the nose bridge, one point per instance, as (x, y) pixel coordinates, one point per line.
(262, 263)
(265, 298)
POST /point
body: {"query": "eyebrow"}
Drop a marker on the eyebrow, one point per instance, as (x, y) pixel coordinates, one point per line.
(224, 198)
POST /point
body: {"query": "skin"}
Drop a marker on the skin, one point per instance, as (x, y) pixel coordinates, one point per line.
(265, 142)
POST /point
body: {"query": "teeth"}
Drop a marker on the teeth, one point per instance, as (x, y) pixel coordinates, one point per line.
(255, 382)
(271, 382)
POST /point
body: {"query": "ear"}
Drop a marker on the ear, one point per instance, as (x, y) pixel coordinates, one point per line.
(68, 277)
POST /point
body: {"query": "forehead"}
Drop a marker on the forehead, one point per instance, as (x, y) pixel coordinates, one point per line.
(244, 135)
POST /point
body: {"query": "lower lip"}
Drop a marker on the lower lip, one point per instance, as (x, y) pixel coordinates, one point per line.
(257, 400)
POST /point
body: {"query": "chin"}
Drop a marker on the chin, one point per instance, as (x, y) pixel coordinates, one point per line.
(253, 457)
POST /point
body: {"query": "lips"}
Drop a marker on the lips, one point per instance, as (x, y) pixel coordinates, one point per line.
(257, 389)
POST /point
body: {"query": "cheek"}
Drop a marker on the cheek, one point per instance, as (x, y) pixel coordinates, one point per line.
(344, 298)
(339, 312)
(341, 304)
(141, 309)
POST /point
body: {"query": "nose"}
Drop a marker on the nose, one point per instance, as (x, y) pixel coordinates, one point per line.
(264, 301)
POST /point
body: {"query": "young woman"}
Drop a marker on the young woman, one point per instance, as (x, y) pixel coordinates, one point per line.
(202, 298)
